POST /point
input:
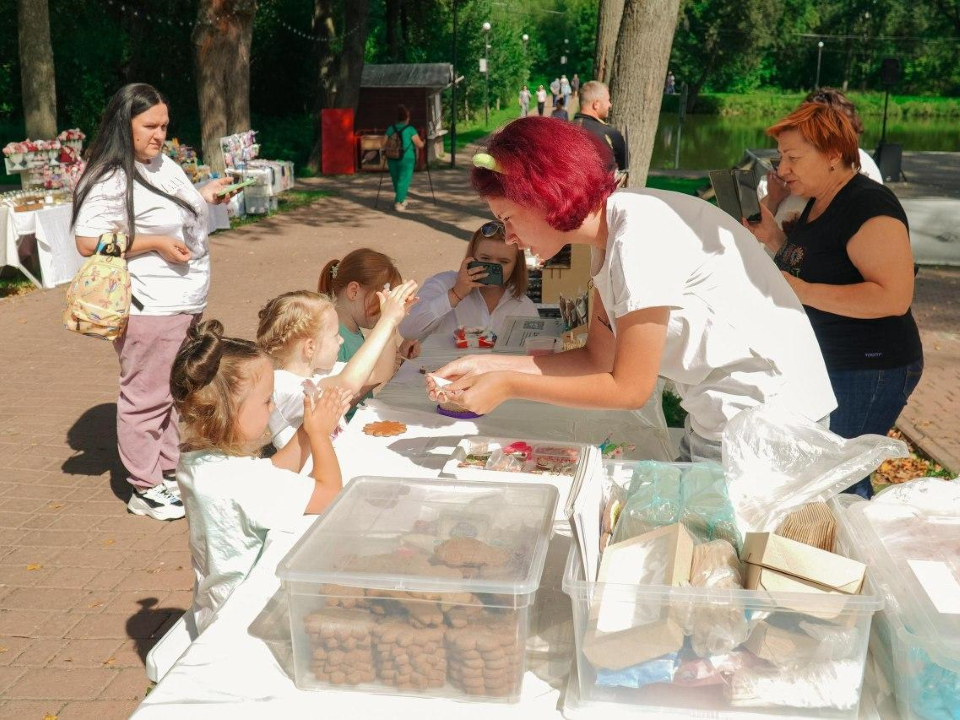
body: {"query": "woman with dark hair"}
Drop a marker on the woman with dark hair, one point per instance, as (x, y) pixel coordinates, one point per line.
(848, 259)
(130, 186)
(401, 168)
(682, 291)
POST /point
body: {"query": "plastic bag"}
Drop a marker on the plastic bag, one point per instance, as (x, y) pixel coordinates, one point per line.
(663, 494)
(776, 460)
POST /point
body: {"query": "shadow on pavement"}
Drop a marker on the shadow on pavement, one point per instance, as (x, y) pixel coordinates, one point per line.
(94, 436)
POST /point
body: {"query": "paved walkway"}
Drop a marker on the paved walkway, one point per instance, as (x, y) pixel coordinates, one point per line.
(85, 588)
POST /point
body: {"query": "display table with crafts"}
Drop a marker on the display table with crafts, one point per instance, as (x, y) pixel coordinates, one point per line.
(346, 647)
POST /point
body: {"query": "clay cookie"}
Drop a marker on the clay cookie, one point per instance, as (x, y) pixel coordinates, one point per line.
(385, 428)
(468, 552)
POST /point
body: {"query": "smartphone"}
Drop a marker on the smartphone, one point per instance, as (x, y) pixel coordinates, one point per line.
(494, 272)
(725, 192)
(236, 186)
(746, 184)
(775, 163)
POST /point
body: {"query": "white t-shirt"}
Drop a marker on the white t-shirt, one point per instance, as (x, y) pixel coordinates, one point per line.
(434, 313)
(737, 336)
(541, 96)
(163, 287)
(231, 503)
(287, 415)
(792, 206)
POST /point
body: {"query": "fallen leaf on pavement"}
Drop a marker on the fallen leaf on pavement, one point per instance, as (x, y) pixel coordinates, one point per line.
(109, 542)
(109, 661)
(34, 566)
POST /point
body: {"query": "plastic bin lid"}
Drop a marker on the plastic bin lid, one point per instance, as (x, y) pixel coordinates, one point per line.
(382, 533)
(916, 554)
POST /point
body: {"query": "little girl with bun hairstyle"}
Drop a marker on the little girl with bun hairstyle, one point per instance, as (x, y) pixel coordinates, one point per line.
(299, 330)
(222, 389)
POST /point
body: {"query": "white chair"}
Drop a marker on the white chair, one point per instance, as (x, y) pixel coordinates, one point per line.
(170, 647)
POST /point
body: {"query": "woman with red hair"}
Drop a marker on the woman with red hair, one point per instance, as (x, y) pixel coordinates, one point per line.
(849, 261)
(682, 291)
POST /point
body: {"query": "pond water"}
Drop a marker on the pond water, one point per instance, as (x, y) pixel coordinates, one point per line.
(709, 142)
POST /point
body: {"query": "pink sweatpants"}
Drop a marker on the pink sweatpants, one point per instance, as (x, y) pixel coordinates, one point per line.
(147, 434)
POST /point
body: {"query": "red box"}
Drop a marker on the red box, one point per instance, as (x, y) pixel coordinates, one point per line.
(338, 156)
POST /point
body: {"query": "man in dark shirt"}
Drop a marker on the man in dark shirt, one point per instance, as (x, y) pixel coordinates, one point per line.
(594, 109)
(560, 110)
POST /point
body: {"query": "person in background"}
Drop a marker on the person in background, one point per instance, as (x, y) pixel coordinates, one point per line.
(449, 299)
(541, 99)
(130, 186)
(524, 101)
(401, 169)
(575, 84)
(848, 259)
(560, 110)
(555, 90)
(775, 193)
(670, 86)
(222, 388)
(594, 109)
(565, 90)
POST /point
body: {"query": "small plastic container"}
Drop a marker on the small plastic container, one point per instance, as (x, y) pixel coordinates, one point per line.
(540, 345)
(915, 559)
(411, 586)
(811, 648)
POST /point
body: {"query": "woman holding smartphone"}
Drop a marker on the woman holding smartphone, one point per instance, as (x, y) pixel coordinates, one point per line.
(683, 291)
(473, 296)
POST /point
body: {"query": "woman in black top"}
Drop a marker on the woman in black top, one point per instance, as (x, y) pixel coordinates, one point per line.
(849, 261)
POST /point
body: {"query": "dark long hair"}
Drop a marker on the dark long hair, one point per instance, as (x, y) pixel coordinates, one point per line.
(112, 149)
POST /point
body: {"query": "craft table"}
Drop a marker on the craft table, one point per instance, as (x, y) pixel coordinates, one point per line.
(241, 665)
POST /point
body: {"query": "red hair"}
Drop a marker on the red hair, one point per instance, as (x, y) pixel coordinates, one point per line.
(555, 167)
(827, 129)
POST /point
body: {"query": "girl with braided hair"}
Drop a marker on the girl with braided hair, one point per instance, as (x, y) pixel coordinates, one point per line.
(300, 331)
(223, 387)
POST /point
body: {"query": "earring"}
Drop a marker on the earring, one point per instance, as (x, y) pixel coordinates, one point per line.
(832, 168)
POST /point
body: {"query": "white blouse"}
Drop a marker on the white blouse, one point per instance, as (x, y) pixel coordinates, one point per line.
(164, 288)
(434, 313)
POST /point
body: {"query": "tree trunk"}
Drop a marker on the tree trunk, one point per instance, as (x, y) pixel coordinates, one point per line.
(222, 39)
(393, 29)
(338, 69)
(609, 16)
(38, 84)
(636, 81)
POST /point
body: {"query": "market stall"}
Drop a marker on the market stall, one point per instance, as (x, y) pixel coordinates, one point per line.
(664, 619)
(241, 157)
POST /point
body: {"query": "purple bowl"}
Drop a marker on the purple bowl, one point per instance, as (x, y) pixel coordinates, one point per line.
(461, 415)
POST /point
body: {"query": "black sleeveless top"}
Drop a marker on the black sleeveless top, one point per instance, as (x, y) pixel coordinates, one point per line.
(816, 252)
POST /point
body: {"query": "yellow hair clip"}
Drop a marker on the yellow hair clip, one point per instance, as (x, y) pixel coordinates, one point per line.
(487, 162)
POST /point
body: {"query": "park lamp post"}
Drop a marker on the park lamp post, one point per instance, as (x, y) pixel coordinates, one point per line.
(486, 73)
(526, 39)
(566, 49)
(819, 55)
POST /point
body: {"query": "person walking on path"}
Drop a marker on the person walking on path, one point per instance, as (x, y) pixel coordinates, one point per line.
(594, 109)
(541, 99)
(575, 84)
(565, 90)
(555, 90)
(560, 111)
(130, 186)
(670, 86)
(524, 101)
(401, 167)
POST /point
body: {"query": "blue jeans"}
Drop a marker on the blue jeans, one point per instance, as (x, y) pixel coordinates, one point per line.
(869, 402)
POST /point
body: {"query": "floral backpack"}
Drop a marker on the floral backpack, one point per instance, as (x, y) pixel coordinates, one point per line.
(98, 299)
(393, 149)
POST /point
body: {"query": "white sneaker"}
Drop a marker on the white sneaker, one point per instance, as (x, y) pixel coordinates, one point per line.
(399, 207)
(156, 502)
(170, 483)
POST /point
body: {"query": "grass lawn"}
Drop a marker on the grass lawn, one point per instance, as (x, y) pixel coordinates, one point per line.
(469, 131)
(290, 200)
(688, 186)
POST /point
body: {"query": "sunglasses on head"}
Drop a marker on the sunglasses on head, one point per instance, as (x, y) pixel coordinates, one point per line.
(489, 229)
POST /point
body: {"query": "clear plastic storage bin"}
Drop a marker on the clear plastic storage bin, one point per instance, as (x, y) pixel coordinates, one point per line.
(417, 586)
(783, 654)
(915, 559)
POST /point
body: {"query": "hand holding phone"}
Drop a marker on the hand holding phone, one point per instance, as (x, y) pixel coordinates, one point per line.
(493, 270)
(230, 189)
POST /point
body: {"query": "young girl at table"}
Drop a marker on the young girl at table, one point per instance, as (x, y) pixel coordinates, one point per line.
(452, 299)
(353, 283)
(222, 389)
(300, 331)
